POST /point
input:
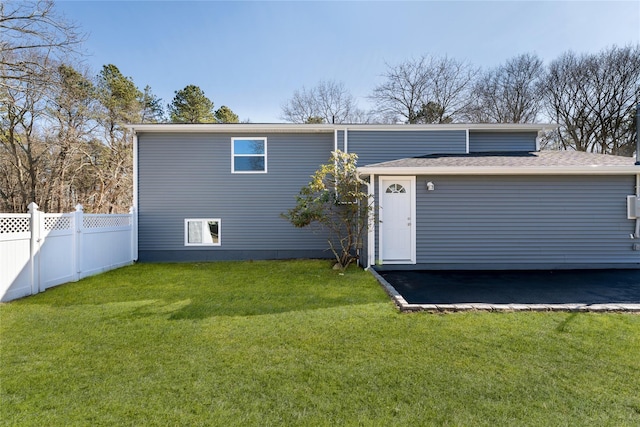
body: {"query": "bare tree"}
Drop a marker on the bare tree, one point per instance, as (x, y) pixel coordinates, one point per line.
(22, 106)
(71, 111)
(425, 90)
(45, 127)
(32, 26)
(509, 93)
(450, 83)
(300, 108)
(327, 102)
(593, 97)
(33, 42)
(404, 90)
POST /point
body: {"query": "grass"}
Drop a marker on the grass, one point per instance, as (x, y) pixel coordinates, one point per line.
(295, 343)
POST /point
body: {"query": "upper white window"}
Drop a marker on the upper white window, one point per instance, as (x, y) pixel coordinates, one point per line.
(202, 232)
(249, 155)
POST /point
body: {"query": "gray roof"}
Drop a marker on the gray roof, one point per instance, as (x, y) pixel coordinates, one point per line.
(539, 159)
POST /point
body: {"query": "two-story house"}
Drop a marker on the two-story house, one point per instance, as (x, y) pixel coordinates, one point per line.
(454, 196)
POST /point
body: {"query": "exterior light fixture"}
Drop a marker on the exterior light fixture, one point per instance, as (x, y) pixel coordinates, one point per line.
(430, 186)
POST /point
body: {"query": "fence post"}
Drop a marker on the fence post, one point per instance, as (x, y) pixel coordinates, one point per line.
(78, 226)
(34, 242)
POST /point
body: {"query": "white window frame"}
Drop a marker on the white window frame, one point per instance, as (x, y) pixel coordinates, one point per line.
(204, 222)
(234, 155)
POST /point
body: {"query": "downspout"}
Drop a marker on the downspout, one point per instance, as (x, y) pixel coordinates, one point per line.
(637, 232)
(371, 227)
(135, 170)
(636, 235)
(466, 141)
(346, 147)
(135, 195)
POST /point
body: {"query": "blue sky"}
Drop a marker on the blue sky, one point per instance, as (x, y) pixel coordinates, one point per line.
(251, 56)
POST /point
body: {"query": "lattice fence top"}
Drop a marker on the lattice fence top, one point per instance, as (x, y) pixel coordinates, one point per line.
(20, 223)
(58, 222)
(106, 221)
(14, 224)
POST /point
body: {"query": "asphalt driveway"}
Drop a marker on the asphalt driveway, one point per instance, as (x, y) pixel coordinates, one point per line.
(517, 287)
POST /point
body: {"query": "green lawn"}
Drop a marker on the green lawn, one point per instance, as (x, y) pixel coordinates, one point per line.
(296, 343)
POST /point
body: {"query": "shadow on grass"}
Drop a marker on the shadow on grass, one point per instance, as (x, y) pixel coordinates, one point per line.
(563, 326)
(202, 290)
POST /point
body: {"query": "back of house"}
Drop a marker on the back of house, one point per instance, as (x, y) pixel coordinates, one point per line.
(454, 196)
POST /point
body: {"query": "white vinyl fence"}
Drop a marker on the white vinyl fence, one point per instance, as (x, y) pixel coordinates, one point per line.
(40, 250)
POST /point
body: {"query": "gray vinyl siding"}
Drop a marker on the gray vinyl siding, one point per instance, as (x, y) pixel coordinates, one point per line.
(382, 146)
(498, 222)
(340, 140)
(189, 176)
(502, 141)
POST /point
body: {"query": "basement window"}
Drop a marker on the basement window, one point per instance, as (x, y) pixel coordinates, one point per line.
(202, 232)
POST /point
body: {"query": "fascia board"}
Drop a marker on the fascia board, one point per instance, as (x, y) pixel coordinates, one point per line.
(577, 170)
(321, 128)
(230, 128)
(481, 127)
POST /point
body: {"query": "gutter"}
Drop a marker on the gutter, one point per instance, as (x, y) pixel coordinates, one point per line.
(231, 128)
(330, 128)
(487, 170)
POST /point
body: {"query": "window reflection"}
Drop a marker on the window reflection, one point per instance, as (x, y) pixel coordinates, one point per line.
(248, 146)
(249, 155)
(213, 231)
(202, 232)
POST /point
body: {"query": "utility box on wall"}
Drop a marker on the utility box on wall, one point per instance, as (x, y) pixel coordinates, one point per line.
(633, 207)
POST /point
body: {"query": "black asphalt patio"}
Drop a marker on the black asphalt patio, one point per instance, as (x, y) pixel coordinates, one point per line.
(517, 287)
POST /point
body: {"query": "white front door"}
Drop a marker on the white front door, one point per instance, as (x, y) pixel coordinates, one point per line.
(397, 220)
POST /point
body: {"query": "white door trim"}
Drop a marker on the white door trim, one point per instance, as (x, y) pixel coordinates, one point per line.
(381, 180)
(371, 226)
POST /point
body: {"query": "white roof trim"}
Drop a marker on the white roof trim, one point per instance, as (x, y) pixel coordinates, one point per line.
(504, 170)
(229, 128)
(322, 128)
(480, 127)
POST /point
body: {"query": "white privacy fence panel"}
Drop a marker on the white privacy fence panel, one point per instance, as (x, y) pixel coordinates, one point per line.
(106, 231)
(54, 255)
(15, 242)
(39, 250)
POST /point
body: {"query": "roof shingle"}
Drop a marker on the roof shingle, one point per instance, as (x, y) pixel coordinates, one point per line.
(510, 160)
